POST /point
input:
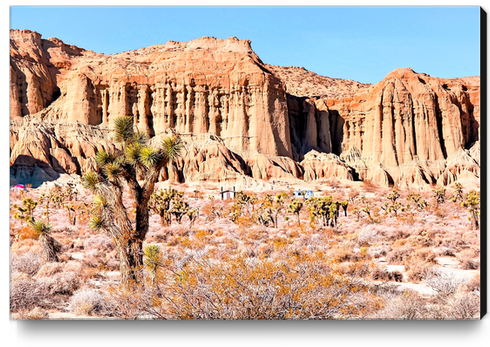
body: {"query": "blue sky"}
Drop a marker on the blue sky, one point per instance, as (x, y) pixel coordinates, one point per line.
(359, 43)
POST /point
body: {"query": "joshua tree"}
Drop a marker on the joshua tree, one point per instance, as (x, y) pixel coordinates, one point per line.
(48, 243)
(324, 208)
(278, 206)
(57, 199)
(394, 207)
(179, 209)
(135, 160)
(45, 198)
(295, 207)
(393, 196)
(71, 209)
(440, 195)
(152, 262)
(160, 203)
(344, 205)
(192, 214)
(458, 193)
(472, 204)
(26, 211)
(417, 200)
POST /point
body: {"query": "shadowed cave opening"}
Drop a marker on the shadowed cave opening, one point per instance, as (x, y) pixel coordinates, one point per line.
(55, 95)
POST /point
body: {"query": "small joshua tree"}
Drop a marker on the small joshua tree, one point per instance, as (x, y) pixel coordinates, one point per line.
(458, 193)
(394, 208)
(72, 216)
(295, 207)
(48, 243)
(192, 214)
(440, 195)
(26, 212)
(152, 261)
(179, 209)
(472, 204)
(420, 203)
(393, 196)
(344, 205)
(278, 206)
(160, 203)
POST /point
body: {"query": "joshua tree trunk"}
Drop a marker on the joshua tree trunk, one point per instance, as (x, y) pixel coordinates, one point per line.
(49, 250)
(474, 220)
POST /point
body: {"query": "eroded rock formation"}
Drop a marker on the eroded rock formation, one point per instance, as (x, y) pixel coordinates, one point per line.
(238, 116)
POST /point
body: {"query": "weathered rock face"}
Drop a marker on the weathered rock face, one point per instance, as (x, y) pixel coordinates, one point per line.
(408, 120)
(206, 85)
(49, 149)
(238, 116)
(323, 165)
(410, 116)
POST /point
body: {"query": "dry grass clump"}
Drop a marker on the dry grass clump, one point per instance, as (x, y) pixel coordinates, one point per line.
(89, 302)
(444, 281)
(100, 242)
(26, 293)
(408, 305)
(469, 260)
(399, 255)
(36, 313)
(62, 283)
(367, 236)
(25, 246)
(28, 263)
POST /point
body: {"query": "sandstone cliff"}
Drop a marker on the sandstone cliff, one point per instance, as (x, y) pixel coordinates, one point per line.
(206, 85)
(238, 116)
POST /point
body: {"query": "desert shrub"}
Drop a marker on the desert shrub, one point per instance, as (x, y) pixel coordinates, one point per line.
(90, 302)
(27, 293)
(397, 234)
(382, 274)
(423, 255)
(28, 263)
(399, 255)
(443, 281)
(473, 284)
(237, 287)
(24, 246)
(465, 306)
(60, 278)
(468, 260)
(418, 271)
(418, 241)
(93, 258)
(376, 252)
(100, 242)
(50, 269)
(406, 306)
(62, 282)
(36, 313)
(367, 236)
(447, 252)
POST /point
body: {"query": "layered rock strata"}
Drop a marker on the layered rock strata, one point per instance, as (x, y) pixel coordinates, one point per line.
(207, 85)
(238, 116)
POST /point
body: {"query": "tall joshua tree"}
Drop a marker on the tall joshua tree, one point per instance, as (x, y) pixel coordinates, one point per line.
(135, 160)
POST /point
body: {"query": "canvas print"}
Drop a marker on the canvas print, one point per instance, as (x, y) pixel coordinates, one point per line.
(245, 163)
